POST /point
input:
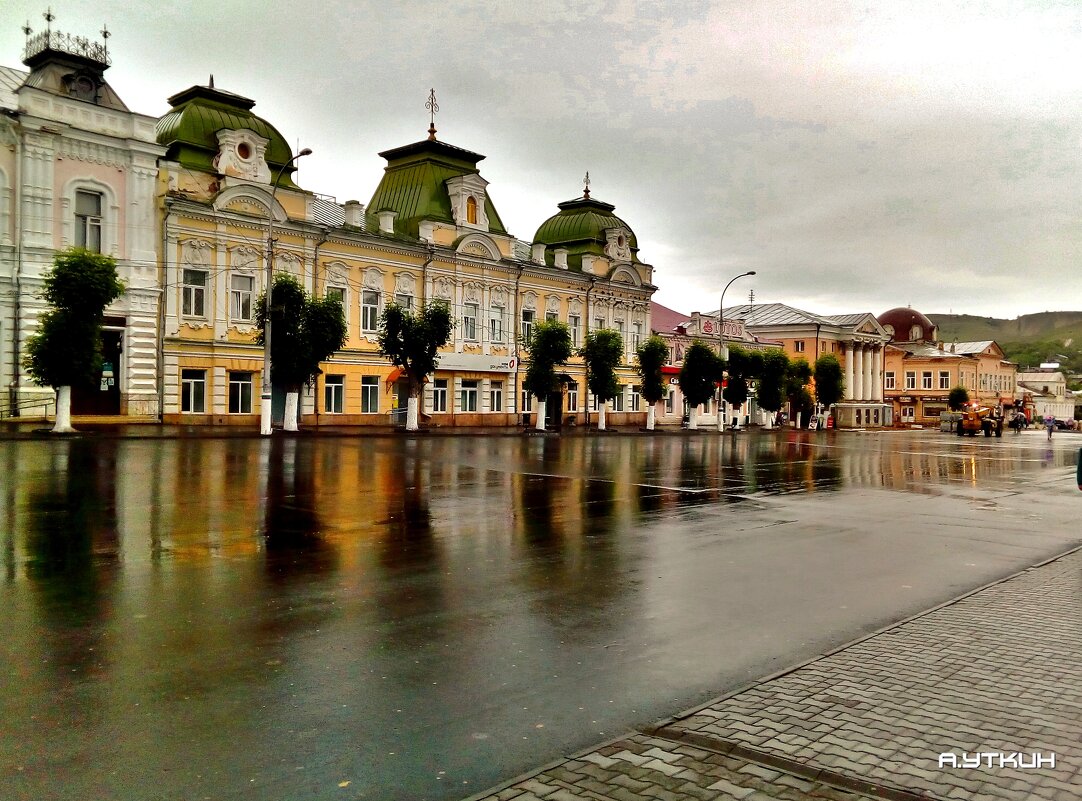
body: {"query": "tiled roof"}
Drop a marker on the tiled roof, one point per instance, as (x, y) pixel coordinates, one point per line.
(10, 80)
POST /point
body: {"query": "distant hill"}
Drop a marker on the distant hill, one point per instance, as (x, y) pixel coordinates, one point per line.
(1027, 340)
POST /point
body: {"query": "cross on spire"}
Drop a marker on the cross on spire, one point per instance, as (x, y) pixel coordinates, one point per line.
(586, 183)
(432, 107)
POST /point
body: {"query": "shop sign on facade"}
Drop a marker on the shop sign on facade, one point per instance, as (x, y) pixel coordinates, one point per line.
(477, 363)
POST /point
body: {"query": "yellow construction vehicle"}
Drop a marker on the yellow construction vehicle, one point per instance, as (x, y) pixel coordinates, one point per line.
(980, 418)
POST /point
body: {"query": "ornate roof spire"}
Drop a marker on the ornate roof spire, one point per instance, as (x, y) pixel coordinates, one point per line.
(432, 107)
(586, 183)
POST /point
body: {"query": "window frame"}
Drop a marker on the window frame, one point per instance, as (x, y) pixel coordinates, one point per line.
(192, 378)
(237, 298)
(191, 292)
(910, 379)
(925, 379)
(526, 327)
(944, 379)
(439, 396)
(370, 310)
(495, 396)
(469, 392)
(85, 223)
(470, 313)
(334, 394)
(235, 381)
(888, 380)
(369, 394)
(573, 397)
(574, 327)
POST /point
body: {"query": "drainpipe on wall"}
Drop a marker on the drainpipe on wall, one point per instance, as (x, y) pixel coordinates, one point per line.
(13, 389)
(515, 324)
(324, 232)
(163, 284)
(586, 328)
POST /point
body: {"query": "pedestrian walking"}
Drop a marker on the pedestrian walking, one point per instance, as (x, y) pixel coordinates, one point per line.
(1050, 424)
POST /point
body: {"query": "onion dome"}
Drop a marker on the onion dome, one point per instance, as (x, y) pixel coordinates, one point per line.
(908, 325)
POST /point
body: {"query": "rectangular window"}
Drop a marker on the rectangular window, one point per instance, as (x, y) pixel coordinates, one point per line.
(574, 322)
(338, 293)
(469, 321)
(636, 337)
(888, 379)
(404, 301)
(636, 397)
(193, 293)
(439, 395)
(670, 401)
(910, 379)
(369, 394)
(572, 397)
(926, 379)
(88, 220)
(527, 401)
(527, 324)
(495, 396)
(240, 393)
(468, 396)
(618, 326)
(944, 379)
(495, 324)
(241, 288)
(369, 311)
(594, 403)
(599, 323)
(551, 317)
(618, 401)
(798, 346)
(334, 393)
(193, 391)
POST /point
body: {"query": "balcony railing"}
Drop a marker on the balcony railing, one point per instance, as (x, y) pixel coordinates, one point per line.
(66, 43)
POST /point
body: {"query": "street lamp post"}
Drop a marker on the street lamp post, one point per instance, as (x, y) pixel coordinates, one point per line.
(722, 350)
(265, 398)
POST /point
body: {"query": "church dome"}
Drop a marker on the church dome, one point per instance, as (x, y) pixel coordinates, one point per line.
(908, 325)
(586, 226)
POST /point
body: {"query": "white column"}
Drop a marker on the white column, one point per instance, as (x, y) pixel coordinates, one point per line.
(849, 356)
(869, 373)
(858, 372)
(878, 373)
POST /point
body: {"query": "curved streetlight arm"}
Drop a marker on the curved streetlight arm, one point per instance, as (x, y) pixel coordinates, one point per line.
(265, 397)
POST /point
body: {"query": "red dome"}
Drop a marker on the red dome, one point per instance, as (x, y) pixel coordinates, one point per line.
(907, 325)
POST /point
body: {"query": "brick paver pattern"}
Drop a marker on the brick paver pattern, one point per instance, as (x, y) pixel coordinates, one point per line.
(999, 671)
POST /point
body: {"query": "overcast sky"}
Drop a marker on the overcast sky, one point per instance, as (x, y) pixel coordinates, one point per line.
(859, 156)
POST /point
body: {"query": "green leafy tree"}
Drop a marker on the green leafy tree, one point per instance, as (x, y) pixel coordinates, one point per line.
(304, 332)
(772, 378)
(412, 343)
(829, 382)
(957, 399)
(549, 347)
(700, 373)
(66, 350)
(602, 352)
(651, 356)
(796, 388)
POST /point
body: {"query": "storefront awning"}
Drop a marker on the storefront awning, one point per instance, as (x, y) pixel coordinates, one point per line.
(667, 369)
(395, 374)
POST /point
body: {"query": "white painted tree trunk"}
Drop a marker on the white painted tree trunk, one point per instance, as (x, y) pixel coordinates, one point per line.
(292, 402)
(650, 417)
(539, 424)
(601, 416)
(412, 404)
(768, 418)
(722, 409)
(63, 411)
(798, 416)
(265, 415)
(693, 418)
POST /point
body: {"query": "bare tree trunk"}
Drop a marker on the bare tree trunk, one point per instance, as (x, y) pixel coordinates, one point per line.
(292, 402)
(650, 417)
(63, 411)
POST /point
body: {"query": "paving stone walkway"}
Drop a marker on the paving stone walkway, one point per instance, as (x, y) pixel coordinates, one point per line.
(996, 672)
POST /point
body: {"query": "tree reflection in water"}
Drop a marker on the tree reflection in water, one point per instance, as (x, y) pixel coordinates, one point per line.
(295, 545)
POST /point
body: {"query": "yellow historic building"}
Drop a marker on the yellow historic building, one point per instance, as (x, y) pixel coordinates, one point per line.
(430, 232)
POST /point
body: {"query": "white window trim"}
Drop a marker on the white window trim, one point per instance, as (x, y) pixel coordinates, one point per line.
(110, 212)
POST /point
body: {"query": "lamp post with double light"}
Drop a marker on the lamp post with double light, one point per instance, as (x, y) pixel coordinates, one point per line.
(265, 398)
(722, 350)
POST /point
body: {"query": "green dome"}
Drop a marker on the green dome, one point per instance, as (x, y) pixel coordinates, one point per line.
(580, 227)
(189, 131)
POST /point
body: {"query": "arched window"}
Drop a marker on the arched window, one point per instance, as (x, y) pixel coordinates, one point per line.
(916, 333)
(471, 210)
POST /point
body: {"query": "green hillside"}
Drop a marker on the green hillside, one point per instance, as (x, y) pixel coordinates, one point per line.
(1027, 340)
